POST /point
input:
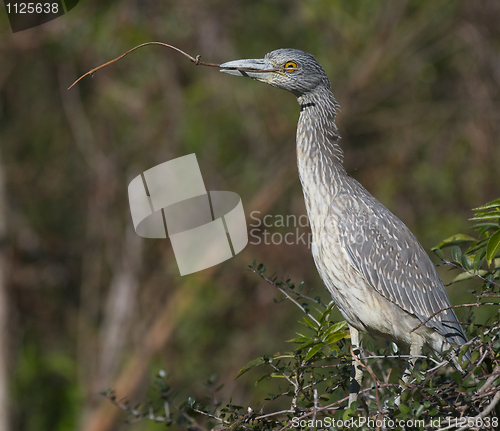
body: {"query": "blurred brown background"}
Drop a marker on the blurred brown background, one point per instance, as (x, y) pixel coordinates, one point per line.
(85, 304)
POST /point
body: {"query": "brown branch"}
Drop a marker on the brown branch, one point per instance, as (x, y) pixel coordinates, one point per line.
(333, 405)
(484, 413)
(281, 412)
(284, 292)
(196, 61)
(491, 379)
(468, 271)
(476, 304)
(375, 381)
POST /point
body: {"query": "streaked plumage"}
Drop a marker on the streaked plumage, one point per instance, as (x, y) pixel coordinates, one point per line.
(378, 274)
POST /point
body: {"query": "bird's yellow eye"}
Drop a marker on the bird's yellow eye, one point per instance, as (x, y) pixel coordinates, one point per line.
(291, 65)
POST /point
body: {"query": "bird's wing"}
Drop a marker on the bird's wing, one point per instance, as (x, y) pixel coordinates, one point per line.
(384, 251)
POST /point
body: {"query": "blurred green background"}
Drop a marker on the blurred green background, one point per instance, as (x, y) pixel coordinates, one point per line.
(85, 304)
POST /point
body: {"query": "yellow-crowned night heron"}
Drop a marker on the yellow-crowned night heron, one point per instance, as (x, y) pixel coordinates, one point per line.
(378, 274)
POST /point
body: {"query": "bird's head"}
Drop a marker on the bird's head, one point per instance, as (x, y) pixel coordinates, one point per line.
(294, 70)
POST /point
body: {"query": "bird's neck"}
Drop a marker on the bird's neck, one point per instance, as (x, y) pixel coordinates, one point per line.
(319, 156)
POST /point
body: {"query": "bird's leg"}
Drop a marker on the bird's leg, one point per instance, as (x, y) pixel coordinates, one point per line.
(456, 363)
(356, 370)
(415, 350)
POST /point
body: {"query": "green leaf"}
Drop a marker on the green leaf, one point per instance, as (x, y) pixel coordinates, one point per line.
(327, 312)
(252, 364)
(312, 352)
(492, 215)
(434, 411)
(338, 326)
(458, 238)
(298, 340)
(465, 262)
(419, 410)
(492, 247)
(481, 245)
(263, 377)
(309, 323)
(350, 412)
(334, 328)
(466, 275)
(286, 355)
(403, 408)
(337, 336)
(484, 230)
(456, 253)
(310, 343)
(492, 204)
(483, 225)
(438, 252)
(277, 376)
